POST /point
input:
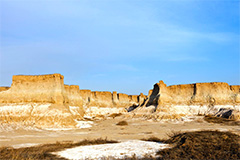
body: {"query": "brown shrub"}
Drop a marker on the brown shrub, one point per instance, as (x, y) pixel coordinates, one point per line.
(122, 123)
(114, 115)
(153, 139)
(224, 121)
(201, 145)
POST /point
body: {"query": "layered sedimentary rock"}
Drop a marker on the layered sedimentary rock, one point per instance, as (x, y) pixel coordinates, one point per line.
(4, 88)
(191, 99)
(42, 89)
(108, 99)
(45, 101)
(73, 99)
(42, 100)
(100, 103)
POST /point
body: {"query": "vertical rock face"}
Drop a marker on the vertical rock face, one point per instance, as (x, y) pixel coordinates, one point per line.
(73, 99)
(98, 104)
(42, 100)
(4, 88)
(39, 89)
(235, 89)
(217, 93)
(108, 99)
(72, 95)
(101, 99)
(86, 95)
(197, 98)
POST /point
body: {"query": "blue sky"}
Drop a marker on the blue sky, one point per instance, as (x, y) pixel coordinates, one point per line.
(121, 45)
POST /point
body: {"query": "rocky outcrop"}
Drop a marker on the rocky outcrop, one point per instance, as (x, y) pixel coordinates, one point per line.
(99, 104)
(73, 99)
(235, 89)
(45, 101)
(215, 93)
(39, 89)
(42, 100)
(108, 99)
(4, 88)
(192, 99)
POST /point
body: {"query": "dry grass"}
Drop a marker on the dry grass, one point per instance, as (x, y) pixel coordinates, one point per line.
(122, 123)
(154, 139)
(201, 145)
(224, 121)
(188, 145)
(43, 151)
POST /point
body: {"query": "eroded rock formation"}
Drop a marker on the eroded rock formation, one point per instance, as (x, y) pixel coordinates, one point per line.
(44, 100)
(41, 100)
(4, 88)
(100, 103)
(191, 99)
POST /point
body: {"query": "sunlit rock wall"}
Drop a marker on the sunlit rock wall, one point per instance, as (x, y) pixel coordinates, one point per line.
(4, 88)
(191, 99)
(42, 89)
(42, 100)
(102, 103)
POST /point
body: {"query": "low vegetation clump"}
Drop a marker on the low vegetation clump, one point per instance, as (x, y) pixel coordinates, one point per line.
(224, 121)
(122, 123)
(201, 145)
(114, 115)
(44, 151)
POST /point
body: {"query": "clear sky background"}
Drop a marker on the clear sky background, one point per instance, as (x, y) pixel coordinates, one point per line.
(121, 45)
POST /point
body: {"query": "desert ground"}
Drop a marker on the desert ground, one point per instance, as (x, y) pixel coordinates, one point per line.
(135, 129)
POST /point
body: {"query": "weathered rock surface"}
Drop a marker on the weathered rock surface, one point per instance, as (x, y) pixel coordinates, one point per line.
(192, 99)
(44, 100)
(4, 88)
(99, 104)
(41, 100)
(108, 99)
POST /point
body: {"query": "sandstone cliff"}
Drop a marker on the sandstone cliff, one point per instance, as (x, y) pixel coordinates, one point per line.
(42, 100)
(39, 89)
(108, 99)
(4, 88)
(215, 93)
(101, 103)
(45, 101)
(191, 99)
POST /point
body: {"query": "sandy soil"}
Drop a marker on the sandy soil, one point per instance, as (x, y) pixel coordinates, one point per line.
(135, 130)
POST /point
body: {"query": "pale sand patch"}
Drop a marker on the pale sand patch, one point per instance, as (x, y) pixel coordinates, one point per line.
(80, 125)
(116, 150)
(24, 145)
(84, 124)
